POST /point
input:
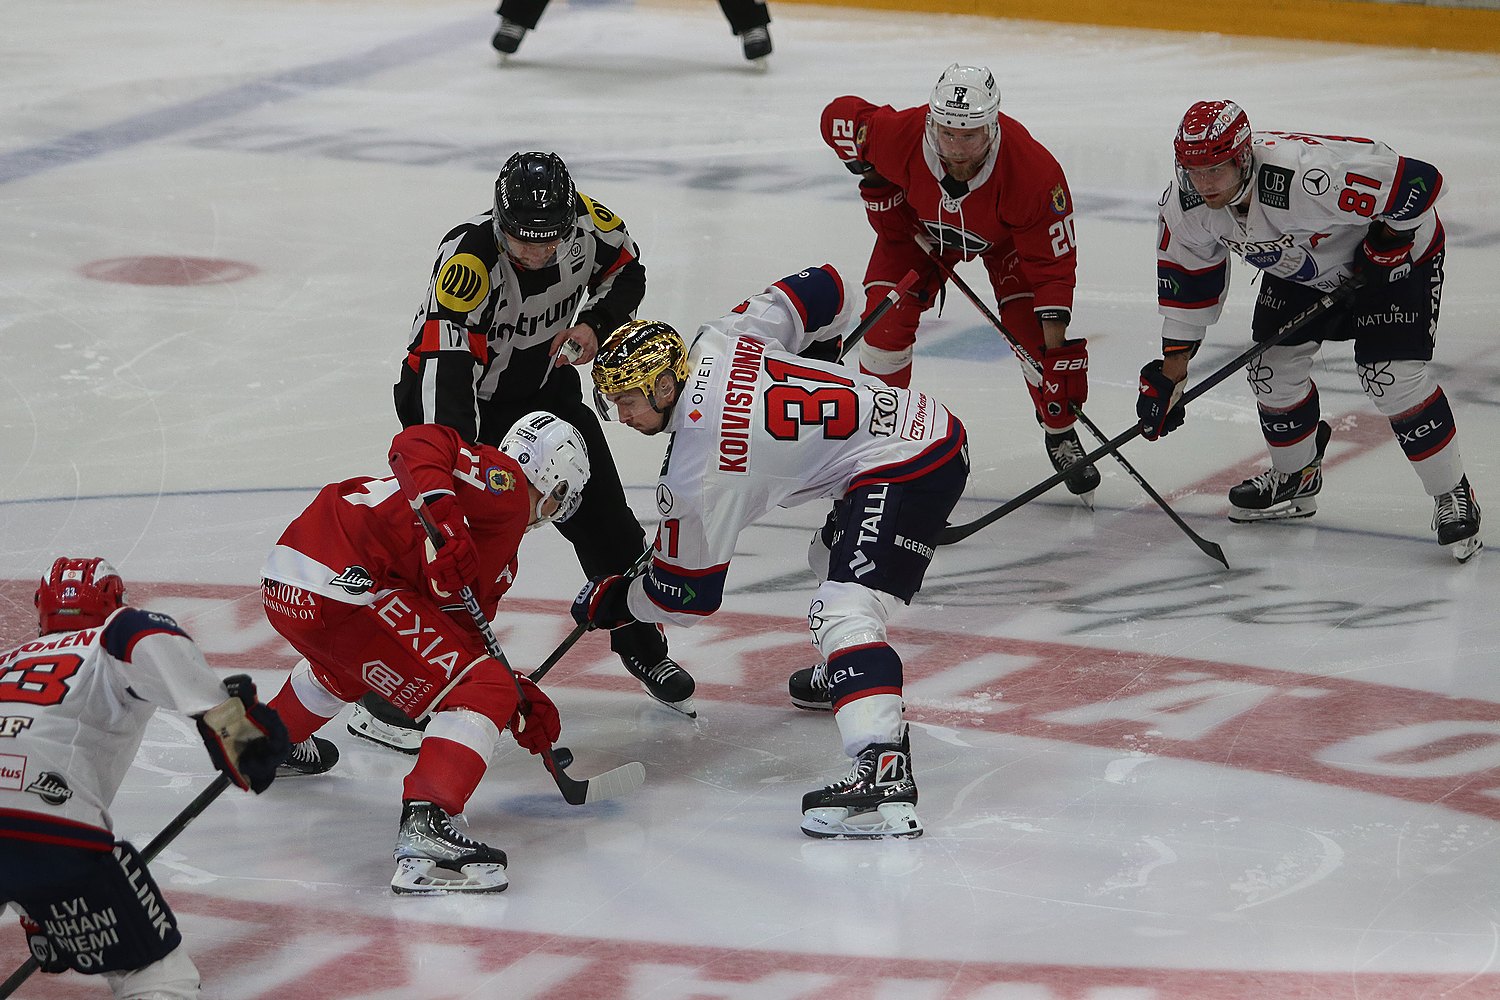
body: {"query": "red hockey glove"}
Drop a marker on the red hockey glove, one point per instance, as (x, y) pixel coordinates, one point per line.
(1157, 407)
(245, 739)
(1385, 255)
(536, 727)
(886, 207)
(455, 565)
(602, 603)
(1065, 382)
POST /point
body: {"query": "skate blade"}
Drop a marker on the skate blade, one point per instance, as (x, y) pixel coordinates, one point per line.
(811, 706)
(685, 706)
(1465, 548)
(414, 876)
(1304, 507)
(367, 727)
(891, 819)
(1086, 498)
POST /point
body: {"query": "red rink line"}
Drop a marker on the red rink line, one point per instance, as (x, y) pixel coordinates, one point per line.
(1419, 746)
(389, 957)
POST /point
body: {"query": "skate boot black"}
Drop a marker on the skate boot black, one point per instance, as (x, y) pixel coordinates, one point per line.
(1455, 518)
(378, 721)
(433, 857)
(667, 682)
(1275, 496)
(809, 688)
(508, 39)
(313, 755)
(878, 798)
(757, 43)
(1066, 453)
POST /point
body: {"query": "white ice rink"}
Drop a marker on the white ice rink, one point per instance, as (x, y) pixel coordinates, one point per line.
(1144, 777)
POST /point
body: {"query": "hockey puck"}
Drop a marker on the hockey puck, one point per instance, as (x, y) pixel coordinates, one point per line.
(563, 757)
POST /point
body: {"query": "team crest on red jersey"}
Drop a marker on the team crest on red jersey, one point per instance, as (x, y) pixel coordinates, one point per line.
(1059, 200)
(499, 480)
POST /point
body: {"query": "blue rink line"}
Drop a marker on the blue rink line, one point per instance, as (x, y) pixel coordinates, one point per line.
(274, 89)
(247, 491)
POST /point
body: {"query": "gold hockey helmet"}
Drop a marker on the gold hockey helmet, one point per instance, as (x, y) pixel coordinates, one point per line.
(634, 356)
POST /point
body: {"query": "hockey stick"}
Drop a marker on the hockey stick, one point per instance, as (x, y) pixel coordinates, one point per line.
(858, 333)
(576, 792)
(1210, 549)
(161, 840)
(958, 532)
(634, 571)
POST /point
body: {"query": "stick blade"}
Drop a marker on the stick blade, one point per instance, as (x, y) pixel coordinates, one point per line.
(616, 782)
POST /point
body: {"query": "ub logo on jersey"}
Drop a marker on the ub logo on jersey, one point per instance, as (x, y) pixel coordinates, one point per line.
(1275, 187)
(463, 283)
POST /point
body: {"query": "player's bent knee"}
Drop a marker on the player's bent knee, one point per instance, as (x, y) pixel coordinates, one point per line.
(848, 614)
(1397, 388)
(172, 977)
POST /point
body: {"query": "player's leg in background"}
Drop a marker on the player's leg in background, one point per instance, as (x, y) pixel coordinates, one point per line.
(887, 348)
(516, 18)
(749, 19)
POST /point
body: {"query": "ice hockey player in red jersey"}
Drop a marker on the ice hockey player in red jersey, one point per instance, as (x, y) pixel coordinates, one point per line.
(74, 704)
(959, 177)
(356, 588)
(1309, 211)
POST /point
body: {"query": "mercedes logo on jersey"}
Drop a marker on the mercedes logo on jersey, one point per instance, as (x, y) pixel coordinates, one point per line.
(1315, 182)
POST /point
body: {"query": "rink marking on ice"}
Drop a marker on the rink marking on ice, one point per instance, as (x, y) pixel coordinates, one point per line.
(273, 88)
(1404, 743)
(250, 950)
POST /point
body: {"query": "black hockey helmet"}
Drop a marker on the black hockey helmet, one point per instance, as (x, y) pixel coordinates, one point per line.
(534, 199)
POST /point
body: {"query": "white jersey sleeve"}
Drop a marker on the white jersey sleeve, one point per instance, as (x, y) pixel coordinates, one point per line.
(79, 702)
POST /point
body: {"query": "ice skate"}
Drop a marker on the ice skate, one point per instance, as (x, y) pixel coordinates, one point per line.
(1066, 453)
(878, 798)
(809, 688)
(375, 720)
(1455, 518)
(313, 755)
(507, 39)
(1276, 496)
(667, 682)
(433, 857)
(757, 44)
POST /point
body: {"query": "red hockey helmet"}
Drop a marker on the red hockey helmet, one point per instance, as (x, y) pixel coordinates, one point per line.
(1211, 133)
(77, 593)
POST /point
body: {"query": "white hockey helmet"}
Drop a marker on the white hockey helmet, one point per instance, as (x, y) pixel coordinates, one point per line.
(555, 459)
(965, 97)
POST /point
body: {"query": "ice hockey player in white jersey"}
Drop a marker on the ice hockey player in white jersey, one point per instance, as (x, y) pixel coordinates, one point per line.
(74, 704)
(1310, 212)
(753, 427)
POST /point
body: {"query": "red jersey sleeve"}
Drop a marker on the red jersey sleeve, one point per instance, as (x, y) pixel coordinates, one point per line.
(845, 126)
(1038, 207)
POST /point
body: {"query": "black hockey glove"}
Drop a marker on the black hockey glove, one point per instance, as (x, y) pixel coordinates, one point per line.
(1157, 407)
(603, 603)
(245, 739)
(48, 958)
(1385, 256)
